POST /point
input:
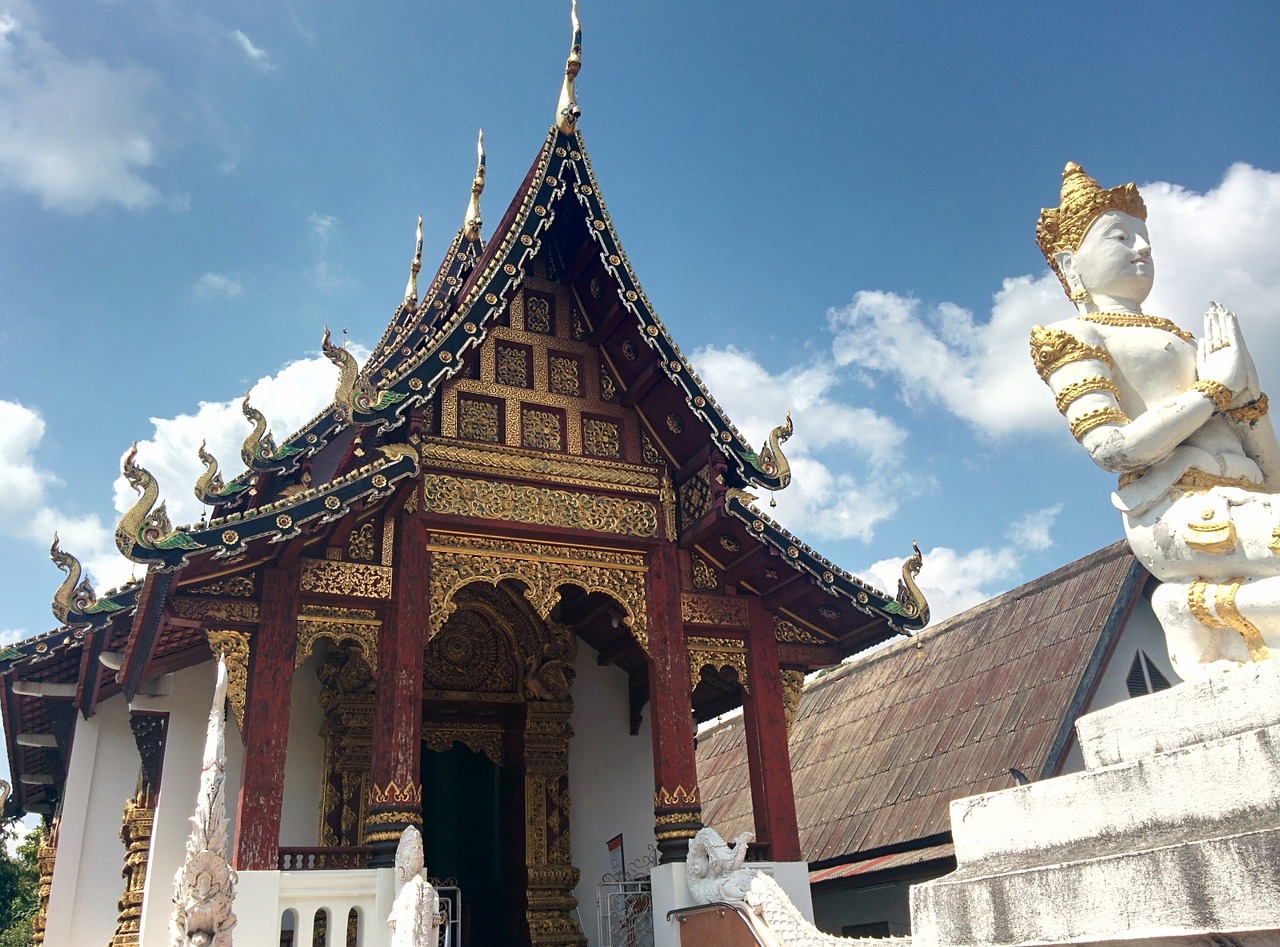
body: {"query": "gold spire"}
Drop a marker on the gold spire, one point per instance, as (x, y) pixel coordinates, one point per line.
(411, 288)
(1082, 201)
(471, 226)
(567, 111)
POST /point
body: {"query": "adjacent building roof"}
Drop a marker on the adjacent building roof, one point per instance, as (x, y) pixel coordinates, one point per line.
(880, 746)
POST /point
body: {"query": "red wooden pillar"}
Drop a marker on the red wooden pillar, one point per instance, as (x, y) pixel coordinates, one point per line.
(773, 801)
(395, 790)
(677, 809)
(266, 720)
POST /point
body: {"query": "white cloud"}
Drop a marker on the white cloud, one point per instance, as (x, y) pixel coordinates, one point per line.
(259, 57)
(288, 399)
(323, 225)
(1222, 245)
(26, 511)
(218, 286)
(1032, 530)
(77, 133)
(10, 636)
(951, 581)
(826, 499)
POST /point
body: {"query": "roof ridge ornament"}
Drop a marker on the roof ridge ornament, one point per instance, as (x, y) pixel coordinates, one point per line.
(411, 287)
(210, 487)
(471, 226)
(567, 112)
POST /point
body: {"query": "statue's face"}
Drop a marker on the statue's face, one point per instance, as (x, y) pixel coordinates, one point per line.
(1114, 258)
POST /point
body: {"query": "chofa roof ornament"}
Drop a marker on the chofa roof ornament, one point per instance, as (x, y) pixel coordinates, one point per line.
(567, 112)
(411, 287)
(472, 224)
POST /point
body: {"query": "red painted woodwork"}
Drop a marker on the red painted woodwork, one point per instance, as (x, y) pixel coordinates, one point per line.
(397, 721)
(266, 720)
(675, 771)
(773, 801)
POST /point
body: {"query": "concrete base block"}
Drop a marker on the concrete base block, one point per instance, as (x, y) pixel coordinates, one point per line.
(1171, 837)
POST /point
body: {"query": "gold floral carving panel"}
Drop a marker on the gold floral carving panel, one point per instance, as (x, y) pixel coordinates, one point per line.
(478, 420)
(601, 438)
(514, 503)
(713, 610)
(233, 647)
(345, 578)
(695, 498)
(564, 375)
(573, 471)
(791, 632)
(213, 610)
(541, 429)
(457, 561)
(479, 737)
(512, 366)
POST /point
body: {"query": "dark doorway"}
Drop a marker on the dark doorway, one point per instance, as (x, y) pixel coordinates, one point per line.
(472, 832)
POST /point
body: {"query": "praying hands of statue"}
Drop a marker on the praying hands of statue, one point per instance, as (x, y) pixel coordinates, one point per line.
(1223, 358)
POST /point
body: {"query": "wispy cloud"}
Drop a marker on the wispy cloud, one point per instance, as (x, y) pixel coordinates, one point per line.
(323, 225)
(218, 286)
(1032, 530)
(259, 57)
(77, 133)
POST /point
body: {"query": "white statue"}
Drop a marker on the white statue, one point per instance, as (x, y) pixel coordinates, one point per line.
(415, 915)
(1182, 422)
(204, 888)
(714, 869)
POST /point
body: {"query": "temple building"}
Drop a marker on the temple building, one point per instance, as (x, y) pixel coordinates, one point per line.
(489, 592)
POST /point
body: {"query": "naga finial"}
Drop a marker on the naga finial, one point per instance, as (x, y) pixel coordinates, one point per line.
(567, 112)
(772, 460)
(910, 600)
(146, 526)
(73, 594)
(354, 395)
(471, 226)
(210, 487)
(411, 288)
(259, 448)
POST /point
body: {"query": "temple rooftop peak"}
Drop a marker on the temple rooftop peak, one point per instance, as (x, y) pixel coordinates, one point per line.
(472, 224)
(411, 287)
(567, 111)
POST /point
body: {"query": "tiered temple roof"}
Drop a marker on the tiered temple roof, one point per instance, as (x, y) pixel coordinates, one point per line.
(384, 432)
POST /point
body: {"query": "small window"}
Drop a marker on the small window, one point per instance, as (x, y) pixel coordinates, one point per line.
(1144, 677)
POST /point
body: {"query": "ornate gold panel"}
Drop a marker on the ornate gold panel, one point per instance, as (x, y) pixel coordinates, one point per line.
(214, 610)
(695, 498)
(792, 689)
(714, 610)
(717, 653)
(564, 375)
(791, 632)
(601, 438)
(512, 366)
(358, 626)
(539, 314)
(704, 577)
(540, 429)
(360, 543)
(457, 561)
(573, 471)
(347, 699)
(514, 503)
(478, 420)
(479, 737)
(345, 578)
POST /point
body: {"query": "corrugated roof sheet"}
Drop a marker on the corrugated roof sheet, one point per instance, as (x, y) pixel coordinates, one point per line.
(882, 745)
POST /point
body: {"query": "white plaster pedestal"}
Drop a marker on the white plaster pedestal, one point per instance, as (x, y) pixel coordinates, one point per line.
(1170, 837)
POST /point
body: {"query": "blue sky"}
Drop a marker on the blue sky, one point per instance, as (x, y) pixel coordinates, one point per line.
(831, 205)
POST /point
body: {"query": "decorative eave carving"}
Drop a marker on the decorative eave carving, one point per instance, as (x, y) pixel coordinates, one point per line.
(908, 611)
(145, 535)
(210, 487)
(259, 450)
(75, 602)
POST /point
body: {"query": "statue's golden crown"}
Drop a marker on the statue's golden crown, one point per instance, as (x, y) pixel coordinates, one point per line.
(1083, 199)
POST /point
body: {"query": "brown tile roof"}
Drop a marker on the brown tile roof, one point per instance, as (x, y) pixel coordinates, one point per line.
(882, 745)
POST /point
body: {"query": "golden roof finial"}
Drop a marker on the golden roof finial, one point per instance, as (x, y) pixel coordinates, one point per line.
(411, 288)
(1082, 201)
(567, 111)
(471, 226)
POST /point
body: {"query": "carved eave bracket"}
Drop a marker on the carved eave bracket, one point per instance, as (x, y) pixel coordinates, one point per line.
(232, 648)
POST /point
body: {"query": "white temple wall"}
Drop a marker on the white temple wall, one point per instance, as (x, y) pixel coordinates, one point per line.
(87, 883)
(1141, 633)
(188, 704)
(610, 778)
(304, 760)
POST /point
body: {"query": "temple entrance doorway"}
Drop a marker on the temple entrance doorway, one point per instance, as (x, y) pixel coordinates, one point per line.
(495, 767)
(471, 839)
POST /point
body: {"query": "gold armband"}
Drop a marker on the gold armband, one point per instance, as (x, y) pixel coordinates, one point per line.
(1249, 412)
(1217, 391)
(1053, 348)
(1078, 389)
(1088, 421)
